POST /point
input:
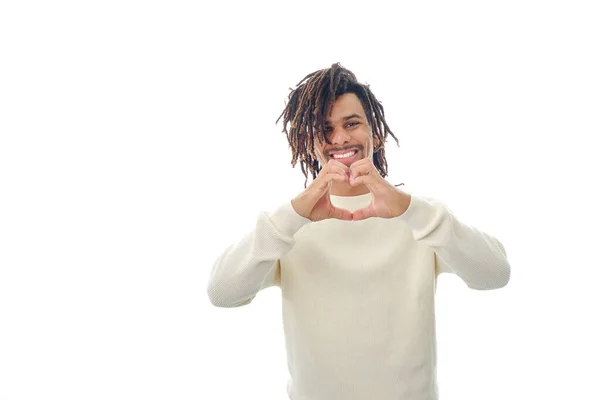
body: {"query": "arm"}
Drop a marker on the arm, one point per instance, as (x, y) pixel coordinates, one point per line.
(252, 264)
(478, 258)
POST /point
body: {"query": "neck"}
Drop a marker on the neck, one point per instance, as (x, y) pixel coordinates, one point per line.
(345, 189)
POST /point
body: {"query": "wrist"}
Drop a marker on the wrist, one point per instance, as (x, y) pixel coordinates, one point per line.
(402, 203)
(296, 208)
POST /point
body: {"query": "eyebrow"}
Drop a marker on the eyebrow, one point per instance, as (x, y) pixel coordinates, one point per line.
(346, 118)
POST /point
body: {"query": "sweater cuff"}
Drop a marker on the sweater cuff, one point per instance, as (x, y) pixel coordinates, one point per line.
(287, 220)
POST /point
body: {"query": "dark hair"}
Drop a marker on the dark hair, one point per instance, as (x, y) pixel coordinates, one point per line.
(306, 111)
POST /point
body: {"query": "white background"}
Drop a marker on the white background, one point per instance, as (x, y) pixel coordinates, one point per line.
(138, 141)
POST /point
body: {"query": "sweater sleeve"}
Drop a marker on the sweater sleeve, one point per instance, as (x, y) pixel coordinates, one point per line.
(478, 258)
(252, 264)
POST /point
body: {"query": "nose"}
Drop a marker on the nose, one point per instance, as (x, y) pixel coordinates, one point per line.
(339, 136)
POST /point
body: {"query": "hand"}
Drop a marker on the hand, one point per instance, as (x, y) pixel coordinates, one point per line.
(314, 202)
(388, 201)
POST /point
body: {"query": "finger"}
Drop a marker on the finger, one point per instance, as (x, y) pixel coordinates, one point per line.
(361, 214)
(318, 187)
(362, 169)
(336, 177)
(338, 164)
(363, 179)
(362, 161)
(335, 166)
(338, 170)
(340, 213)
(324, 175)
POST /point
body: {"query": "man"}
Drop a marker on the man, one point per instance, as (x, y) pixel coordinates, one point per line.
(355, 257)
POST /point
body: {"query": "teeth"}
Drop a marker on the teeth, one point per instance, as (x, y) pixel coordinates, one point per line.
(344, 155)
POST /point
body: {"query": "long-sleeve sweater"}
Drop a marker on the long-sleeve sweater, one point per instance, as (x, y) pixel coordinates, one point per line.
(358, 296)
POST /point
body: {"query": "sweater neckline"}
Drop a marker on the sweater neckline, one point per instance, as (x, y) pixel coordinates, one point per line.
(351, 203)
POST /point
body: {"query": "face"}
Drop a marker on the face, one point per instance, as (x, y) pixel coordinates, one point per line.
(348, 131)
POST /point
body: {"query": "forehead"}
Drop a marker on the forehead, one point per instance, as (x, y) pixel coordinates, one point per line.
(345, 105)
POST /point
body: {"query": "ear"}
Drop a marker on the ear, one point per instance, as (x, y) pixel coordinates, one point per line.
(376, 144)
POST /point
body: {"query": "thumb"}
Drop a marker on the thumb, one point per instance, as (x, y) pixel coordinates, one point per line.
(340, 213)
(363, 213)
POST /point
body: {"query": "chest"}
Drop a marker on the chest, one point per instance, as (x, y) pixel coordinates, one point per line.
(351, 271)
(352, 253)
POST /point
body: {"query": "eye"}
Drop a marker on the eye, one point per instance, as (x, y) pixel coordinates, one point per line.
(352, 123)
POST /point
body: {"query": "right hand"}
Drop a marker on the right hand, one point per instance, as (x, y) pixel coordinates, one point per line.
(314, 202)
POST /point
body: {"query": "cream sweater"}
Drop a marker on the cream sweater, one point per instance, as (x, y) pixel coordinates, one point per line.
(358, 296)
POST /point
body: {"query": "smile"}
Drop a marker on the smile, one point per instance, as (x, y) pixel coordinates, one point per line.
(345, 156)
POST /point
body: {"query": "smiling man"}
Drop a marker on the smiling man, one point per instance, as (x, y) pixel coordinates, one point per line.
(356, 258)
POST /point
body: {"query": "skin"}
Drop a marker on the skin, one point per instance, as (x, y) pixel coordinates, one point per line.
(345, 133)
(347, 128)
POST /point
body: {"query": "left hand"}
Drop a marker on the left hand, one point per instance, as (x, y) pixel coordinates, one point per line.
(388, 201)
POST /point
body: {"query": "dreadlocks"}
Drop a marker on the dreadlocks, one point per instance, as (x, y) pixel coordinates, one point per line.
(306, 111)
